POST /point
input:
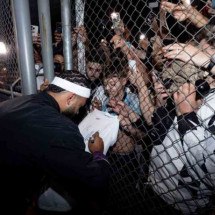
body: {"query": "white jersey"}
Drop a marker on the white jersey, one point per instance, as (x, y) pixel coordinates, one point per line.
(182, 166)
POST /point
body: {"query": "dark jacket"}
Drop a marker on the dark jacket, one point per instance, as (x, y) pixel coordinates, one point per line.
(37, 140)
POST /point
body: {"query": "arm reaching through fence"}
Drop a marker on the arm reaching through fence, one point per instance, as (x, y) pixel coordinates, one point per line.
(190, 54)
(185, 11)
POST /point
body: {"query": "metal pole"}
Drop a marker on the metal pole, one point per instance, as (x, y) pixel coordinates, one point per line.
(79, 11)
(46, 36)
(21, 17)
(10, 92)
(67, 35)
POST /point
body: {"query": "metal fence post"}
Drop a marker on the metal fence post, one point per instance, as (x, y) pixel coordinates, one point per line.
(24, 45)
(46, 35)
(67, 35)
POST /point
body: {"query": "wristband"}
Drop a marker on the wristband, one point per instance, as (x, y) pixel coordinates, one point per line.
(97, 156)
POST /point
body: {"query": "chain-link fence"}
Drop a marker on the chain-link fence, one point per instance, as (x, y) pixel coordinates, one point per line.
(162, 161)
(151, 63)
(8, 66)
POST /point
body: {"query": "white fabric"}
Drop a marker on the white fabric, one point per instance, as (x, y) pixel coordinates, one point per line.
(107, 125)
(39, 75)
(197, 149)
(40, 81)
(52, 201)
(69, 86)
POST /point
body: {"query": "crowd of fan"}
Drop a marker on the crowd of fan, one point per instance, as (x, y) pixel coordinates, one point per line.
(163, 93)
(165, 104)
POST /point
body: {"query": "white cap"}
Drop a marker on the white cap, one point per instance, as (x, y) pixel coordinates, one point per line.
(71, 87)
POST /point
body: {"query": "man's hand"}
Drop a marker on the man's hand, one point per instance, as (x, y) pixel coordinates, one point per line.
(137, 78)
(185, 99)
(96, 104)
(179, 12)
(118, 42)
(81, 32)
(44, 85)
(96, 143)
(119, 107)
(187, 53)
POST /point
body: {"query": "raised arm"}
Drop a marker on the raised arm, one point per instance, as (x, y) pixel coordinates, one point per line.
(146, 105)
(185, 11)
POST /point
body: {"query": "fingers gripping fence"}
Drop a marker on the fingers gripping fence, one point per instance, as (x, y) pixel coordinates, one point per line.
(152, 64)
(163, 160)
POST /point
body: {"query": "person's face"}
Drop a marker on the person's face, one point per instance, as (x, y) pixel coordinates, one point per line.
(94, 70)
(114, 86)
(160, 91)
(58, 63)
(73, 105)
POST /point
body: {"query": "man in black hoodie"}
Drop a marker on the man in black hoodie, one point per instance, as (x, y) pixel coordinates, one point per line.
(38, 140)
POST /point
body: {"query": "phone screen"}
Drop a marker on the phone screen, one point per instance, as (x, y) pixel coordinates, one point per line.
(115, 17)
(132, 65)
(34, 30)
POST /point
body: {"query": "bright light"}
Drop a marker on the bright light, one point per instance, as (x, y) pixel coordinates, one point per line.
(114, 15)
(142, 36)
(3, 49)
(188, 2)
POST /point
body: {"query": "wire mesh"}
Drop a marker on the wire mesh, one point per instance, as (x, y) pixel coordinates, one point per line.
(162, 167)
(149, 65)
(8, 59)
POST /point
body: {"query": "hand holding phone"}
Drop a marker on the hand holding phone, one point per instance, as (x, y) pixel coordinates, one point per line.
(96, 143)
(132, 65)
(34, 30)
(115, 18)
(118, 25)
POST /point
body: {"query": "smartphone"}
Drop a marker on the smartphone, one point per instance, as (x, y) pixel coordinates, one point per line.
(142, 36)
(132, 65)
(168, 41)
(34, 30)
(115, 17)
(153, 4)
(58, 28)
